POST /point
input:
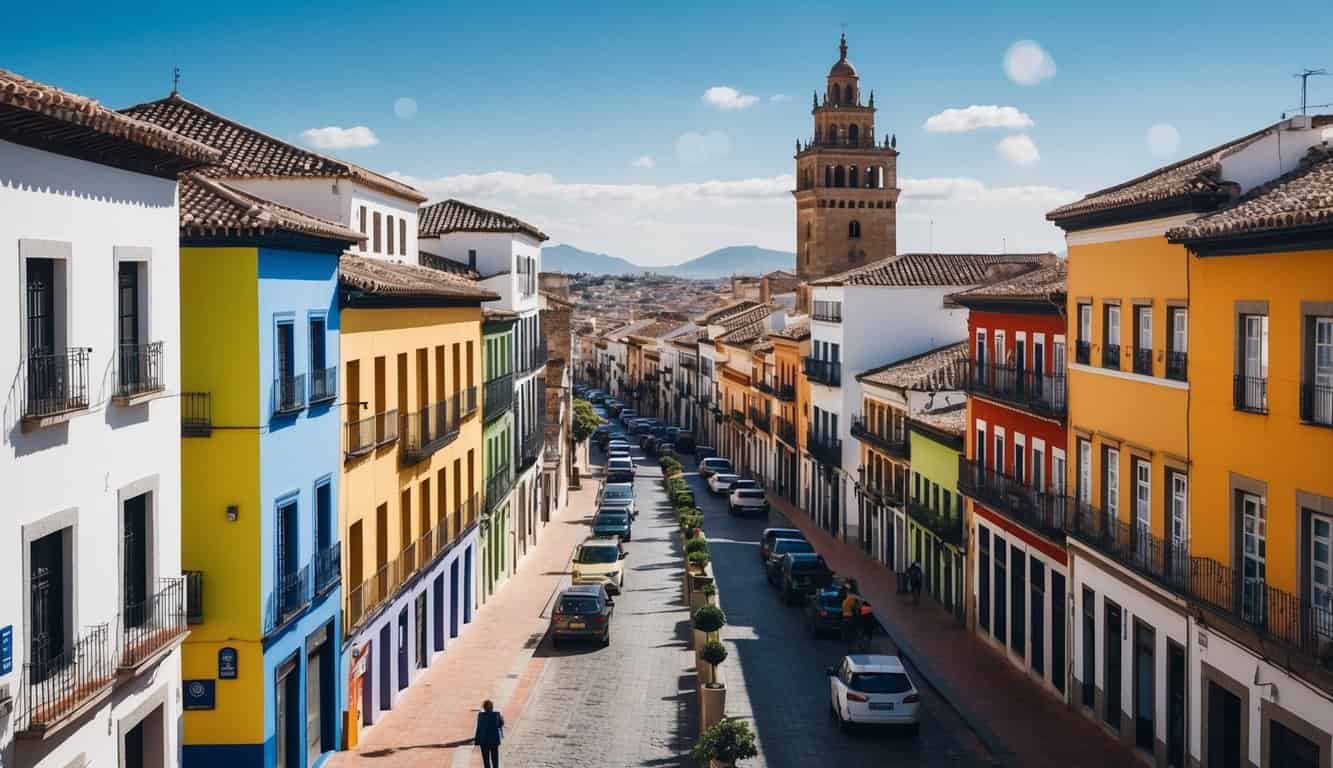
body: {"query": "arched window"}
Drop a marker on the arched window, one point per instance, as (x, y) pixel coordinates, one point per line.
(837, 94)
(879, 177)
(853, 135)
(852, 175)
(839, 176)
(832, 134)
(854, 229)
(849, 95)
(828, 175)
(807, 230)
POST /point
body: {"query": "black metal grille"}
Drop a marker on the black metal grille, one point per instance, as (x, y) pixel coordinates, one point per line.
(288, 394)
(324, 385)
(1143, 361)
(1251, 394)
(894, 446)
(196, 414)
(825, 372)
(1111, 356)
(56, 383)
(139, 369)
(54, 686)
(498, 396)
(1035, 391)
(1317, 404)
(149, 626)
(1177, 365)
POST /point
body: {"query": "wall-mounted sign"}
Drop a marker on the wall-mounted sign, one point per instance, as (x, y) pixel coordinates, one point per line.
(199, 694)
(6, 649)
(227, 664)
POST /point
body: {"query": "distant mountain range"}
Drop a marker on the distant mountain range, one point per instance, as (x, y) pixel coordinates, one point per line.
(724, 262)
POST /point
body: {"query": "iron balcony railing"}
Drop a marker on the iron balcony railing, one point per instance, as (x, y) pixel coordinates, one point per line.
(498, 396)
(1143, 361)
(288, 394)
(56, 682)
(56, 384)
(876, 491)
(466, 514)
(150, 626)
(428, 430)
(1251, 394)
(324, 385)
(139, 370)
(828, 311)
(497, 486)
(826, 449)
(1083, 352)
(291, 594)
(1041, 393)
(194, 596)
(825, 372)
(738, 416)
(536, 358)
(363, 598)
(196, 414)
(760, 419)
(786, 431)
(896, 446)
(328, 567)
(467, 402)
(1134, 546)
(785, 392)
(530, 445)
(365, 435)
(944, 525)
(1045, 513)
(1317, 404)
(1111, 356)
(1177, 366)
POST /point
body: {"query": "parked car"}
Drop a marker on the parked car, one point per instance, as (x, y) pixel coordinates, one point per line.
(612, 521)
(823, 611)
(747, 500)
(639, 426)
(599, 398)
(702, 452)
(720, 482)
(684, 442)
(712, 465)
(599, 561)
(671, 434)
(618, 452)
(649, 445)
(619, 470)
(627, 415)
(873, 689)
(803, 574)
(744, 482)
(773, 566)
(582, 611)
(771, 535)
(617, 492)
(602, 432)
(615, 407)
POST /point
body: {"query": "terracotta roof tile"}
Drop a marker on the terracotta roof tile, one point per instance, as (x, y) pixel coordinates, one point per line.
(743, 334)
(446, 264)
(1043, 284)
(951, 421)
(742, 319)
(457, 216)
(209, 206)
(247, 153)
(21, 94)
(796, 330)
(933, 269)
(1299, 199)
(725, 311)
(391, 278)
(939, 368)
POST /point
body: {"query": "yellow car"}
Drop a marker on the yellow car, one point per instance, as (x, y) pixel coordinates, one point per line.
(600, 561)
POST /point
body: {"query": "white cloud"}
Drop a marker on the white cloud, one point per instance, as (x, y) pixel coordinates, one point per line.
(1163, 140)
(976, 117)
(645, 161)
(1027, 63)
(695, 148)
(726, 97)
(334, 137)
(779, 98)
(669, 223)
(405, 107)
(1018, 149)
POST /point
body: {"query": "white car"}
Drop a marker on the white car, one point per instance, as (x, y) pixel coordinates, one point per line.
(873, 690)
(720, 482)
(746, 500)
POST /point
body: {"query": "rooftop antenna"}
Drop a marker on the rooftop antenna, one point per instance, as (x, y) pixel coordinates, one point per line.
(176, 81)
(1305, 75)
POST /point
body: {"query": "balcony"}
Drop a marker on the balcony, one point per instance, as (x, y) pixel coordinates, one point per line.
(1133, 546)
(55, 386)
(1040, 393)
(56, 686)
(428, 430)
(826, 372)
(784, 392)
(688, 363)
(1042, 512)
(498, 486)
(898, 447)
(948, 527)
(194, 597)
(328, 568)
(363, 598)
(1317, 405)
(138, 372)
(1143, 361)
(786, 431)
(1251, 394)
(825, 449)
(535, 359)
(497, 397)
(467, 402)
(365, 435)
(530, 446)
(149, 627)
(288, 395)
(760, 419)
(1177, 365)
(1111, 356)
(291, 594)
(876, 492)
(196, 414)
(827, 311)
(324, 385)
(738, 416)
(1083, 352)
(466, 514)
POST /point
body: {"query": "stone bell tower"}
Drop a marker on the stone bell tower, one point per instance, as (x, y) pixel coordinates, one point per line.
(846, 182)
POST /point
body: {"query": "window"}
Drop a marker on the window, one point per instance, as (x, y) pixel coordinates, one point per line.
(1142, 508)
(1254, 556)
(376, 219)
(1057, 630)
(1083, 352)
(1179, 523)
(1084, 489)
(1111, 485)
(999, 450)
(1089, 672)
(1058, 469)
(402, 236)
(325, 522)
(1020, 448)
(390, 234)
(979, 446)
(1143, 340)
(983, 578)
(1317, 389)
(1017, 598)
(854, 227)
(362, 219)
(1000, 355)
(1321, 573)
(472, 258)
(1111, 673)
(1252, 381)
(1111, 337)
(980, 373)
(1177, 343)
(1038, 466)
(1037, 579)
(1001, 587)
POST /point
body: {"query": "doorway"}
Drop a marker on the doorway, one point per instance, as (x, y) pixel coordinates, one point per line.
(288, 698)
(1145, 686)
(453, 598)
(1111, 677)
(1224, 724)
(314, 705)
(1175, 705)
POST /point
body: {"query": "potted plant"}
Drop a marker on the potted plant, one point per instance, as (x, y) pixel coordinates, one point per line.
(714, 652)
(725, 742)
(698, 560)
(709, 619)
(696, 545)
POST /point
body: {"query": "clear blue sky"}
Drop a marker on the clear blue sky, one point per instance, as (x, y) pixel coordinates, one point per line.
(580, 92)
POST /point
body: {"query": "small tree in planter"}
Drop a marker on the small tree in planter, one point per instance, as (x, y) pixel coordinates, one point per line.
(698, 560)
(696, 545)
(714, 653)
(709, 619)
(726, 742)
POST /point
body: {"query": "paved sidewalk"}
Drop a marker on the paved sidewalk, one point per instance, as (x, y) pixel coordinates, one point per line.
(493, 658)
(1019, 721)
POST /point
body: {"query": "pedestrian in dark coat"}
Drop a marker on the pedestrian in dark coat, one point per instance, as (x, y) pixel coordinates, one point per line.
(914, 574)
(490, 732)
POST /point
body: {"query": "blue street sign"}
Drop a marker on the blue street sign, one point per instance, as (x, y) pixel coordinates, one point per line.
(227, 664)
(6, 649)
(199, 694)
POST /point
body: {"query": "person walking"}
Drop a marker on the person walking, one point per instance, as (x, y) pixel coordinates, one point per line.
(490, 732)
(865, 624)
(849, 617)
(914, 577)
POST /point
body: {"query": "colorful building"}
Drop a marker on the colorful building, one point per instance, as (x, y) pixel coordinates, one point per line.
(260, 333)
(499, 558)
(936, 513)
(790, 393)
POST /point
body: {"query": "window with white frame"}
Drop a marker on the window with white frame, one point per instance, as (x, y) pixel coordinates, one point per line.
(1111, 483)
